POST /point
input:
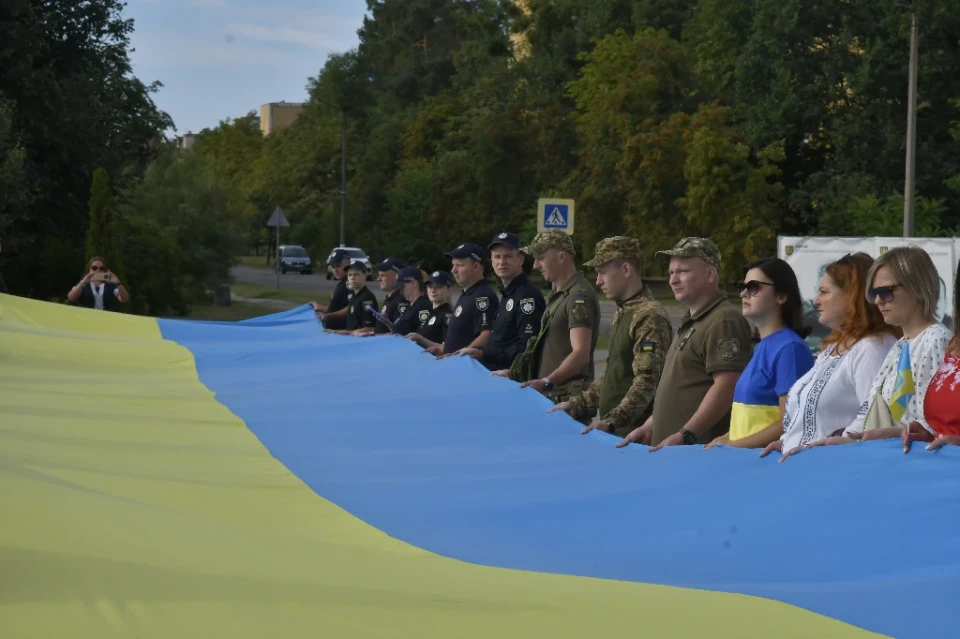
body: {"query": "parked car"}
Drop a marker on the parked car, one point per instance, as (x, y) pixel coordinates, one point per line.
(293, 257)
(355, 255)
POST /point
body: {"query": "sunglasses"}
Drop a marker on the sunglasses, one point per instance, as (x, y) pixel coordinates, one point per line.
(885, 293)
(752, 287)
(98, 268)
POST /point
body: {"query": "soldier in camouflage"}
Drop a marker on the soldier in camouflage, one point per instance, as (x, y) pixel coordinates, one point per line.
(558, 362)
(639, 339)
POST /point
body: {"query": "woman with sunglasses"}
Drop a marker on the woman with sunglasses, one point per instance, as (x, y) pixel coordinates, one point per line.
(99, 289)
(941, 406)
(826, 400)
(904, 285)
(771, 300)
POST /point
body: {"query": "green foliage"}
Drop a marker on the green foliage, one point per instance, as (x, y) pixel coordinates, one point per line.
(102, 232)
(180, 232)
(75, 106)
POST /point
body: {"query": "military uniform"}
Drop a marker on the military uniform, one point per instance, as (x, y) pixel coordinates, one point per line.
(573, 306)
(716, 338)
(639, 338)
(518, 318)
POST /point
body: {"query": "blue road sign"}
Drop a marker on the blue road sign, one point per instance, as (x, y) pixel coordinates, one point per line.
(555, 214)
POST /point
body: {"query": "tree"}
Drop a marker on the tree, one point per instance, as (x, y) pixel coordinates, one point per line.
(76, 107)
(102, 233)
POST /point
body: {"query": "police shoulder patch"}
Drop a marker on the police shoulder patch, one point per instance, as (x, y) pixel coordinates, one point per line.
(424, 315)
(402, 308)
(527, 305)
(483, 303)
(728, 349)
(446, 320)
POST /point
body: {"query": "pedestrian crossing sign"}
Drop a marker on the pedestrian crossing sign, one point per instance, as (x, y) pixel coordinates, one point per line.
(555, 214)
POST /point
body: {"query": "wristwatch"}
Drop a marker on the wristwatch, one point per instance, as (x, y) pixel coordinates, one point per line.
(547, 384)
(689, 437)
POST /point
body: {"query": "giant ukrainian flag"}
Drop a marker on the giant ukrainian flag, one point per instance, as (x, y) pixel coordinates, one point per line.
(262, 479)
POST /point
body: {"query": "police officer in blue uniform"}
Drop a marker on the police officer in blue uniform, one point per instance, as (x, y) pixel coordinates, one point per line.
(395, 304)
(410, 284)
(476, 309)
(360, 319)
(334, 315)
(433, 332)
(520, 310)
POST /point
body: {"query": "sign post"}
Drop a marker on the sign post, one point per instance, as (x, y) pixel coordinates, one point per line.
(277, 220)
(555, 214)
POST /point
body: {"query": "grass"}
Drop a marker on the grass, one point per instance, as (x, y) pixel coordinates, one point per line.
(258, 261)
(258, 292)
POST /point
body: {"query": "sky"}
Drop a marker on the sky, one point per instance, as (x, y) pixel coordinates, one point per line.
(220, 59)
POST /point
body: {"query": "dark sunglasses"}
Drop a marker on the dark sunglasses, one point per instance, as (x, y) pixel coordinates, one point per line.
(885, 293)
(752, 287)
(99, 268)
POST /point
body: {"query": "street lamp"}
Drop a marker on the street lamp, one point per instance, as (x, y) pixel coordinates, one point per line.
(910, 182)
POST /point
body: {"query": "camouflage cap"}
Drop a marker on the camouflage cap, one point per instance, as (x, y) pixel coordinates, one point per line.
(548, 240)
(615, 248)
(694, 247)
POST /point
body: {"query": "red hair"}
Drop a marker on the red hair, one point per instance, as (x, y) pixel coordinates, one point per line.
(860, 318)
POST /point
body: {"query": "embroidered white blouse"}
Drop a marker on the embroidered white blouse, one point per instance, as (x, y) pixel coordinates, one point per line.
(926, 354)
(828, 397)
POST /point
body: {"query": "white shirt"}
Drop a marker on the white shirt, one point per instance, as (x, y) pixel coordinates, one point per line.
(98, 294)
(926, 355)
(828, 397)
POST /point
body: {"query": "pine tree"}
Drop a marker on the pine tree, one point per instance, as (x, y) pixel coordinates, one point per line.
(101, 234)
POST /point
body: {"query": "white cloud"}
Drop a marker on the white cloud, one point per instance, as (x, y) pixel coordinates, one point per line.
(287, 35)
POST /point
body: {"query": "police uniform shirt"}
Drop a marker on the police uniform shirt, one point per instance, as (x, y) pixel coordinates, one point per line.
(474, 313)
(414, 315)
(393, 307)
(341, 297)
(359, 313)
(435, 327)
(518, 319)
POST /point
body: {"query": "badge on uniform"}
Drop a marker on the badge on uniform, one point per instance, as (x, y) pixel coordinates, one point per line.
(384, 309)
(527, 306)
(579, 311)
(509, 305)
(424, 315)
(457, 312)
(647, 347)
(433, 320)
(728, 349)
(367, 304)
(402, 308)
(349, 296)
(482, 303)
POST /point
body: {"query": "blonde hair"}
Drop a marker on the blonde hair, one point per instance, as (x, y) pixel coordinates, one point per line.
(914, 271)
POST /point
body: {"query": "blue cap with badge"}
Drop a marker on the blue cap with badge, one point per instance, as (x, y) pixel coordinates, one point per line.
(390, 264)
(407, 274)
(337, 257)
(510, 240)
(440, 278)
(356, 265)
(466, 250)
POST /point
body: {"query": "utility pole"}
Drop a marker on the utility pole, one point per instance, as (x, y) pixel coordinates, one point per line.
(343, 177)
(909, 216)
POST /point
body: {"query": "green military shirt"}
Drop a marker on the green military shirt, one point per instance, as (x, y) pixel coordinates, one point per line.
(716, 339)
(639, 338)
(573, 306)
